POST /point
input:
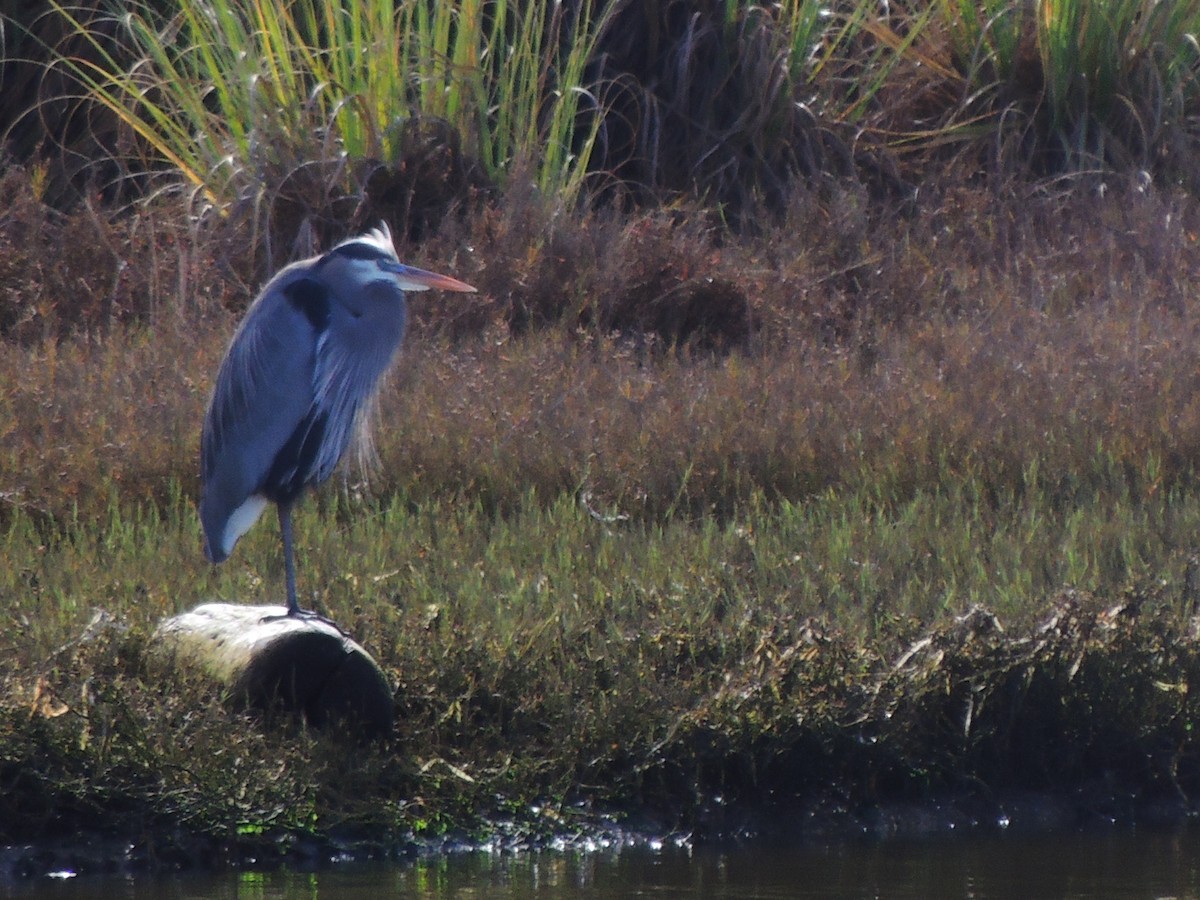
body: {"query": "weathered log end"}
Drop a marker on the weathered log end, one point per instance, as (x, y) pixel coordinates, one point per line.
(270, 660)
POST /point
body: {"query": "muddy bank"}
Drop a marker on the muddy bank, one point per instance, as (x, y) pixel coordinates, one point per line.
(826, 821)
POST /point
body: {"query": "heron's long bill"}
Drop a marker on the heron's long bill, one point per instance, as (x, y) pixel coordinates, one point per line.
(413, 279)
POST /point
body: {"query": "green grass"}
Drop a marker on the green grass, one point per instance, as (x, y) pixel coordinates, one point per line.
(857, 556)
(545, 656)
(846, 556)
(1075, 87)
(738, 105)
(235, 98)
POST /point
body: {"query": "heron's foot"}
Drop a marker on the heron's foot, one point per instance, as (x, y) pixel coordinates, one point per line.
(303, 614)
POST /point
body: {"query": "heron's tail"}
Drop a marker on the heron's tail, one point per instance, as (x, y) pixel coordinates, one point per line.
(222, 529)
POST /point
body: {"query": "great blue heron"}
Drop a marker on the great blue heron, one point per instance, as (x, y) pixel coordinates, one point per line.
(298, 376)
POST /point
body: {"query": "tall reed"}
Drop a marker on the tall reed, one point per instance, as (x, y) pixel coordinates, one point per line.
(234, 96)
(1081, 86)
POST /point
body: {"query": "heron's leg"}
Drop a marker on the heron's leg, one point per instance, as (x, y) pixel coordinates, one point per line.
(289, 562)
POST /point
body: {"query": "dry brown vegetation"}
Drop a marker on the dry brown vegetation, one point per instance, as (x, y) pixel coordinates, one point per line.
(648, 359)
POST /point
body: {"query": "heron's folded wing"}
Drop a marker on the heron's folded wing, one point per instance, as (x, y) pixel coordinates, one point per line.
(264, 391)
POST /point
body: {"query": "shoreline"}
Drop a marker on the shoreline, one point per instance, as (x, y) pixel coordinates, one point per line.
(822, 824)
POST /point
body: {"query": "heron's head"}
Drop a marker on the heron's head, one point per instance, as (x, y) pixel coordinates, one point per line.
(371, 257)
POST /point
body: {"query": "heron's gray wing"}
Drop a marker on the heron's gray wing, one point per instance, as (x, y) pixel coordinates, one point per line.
(264, 391)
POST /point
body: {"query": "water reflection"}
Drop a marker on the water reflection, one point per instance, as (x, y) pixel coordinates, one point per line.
(1113, 864)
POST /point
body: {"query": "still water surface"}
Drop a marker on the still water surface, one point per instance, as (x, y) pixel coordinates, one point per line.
(1115, 864)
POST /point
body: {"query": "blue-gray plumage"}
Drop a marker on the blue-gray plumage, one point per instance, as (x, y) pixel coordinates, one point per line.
(298, 377)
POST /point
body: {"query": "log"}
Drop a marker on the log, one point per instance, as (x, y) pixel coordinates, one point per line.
(269, 660)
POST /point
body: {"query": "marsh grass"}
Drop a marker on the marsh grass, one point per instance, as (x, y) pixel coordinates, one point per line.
(546, 657)
(938, 497)
(267, 109)
(1077, 88)
(869, 497)
(240, 100)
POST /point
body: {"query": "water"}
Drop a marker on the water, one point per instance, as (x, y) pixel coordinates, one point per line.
(1112, 864)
